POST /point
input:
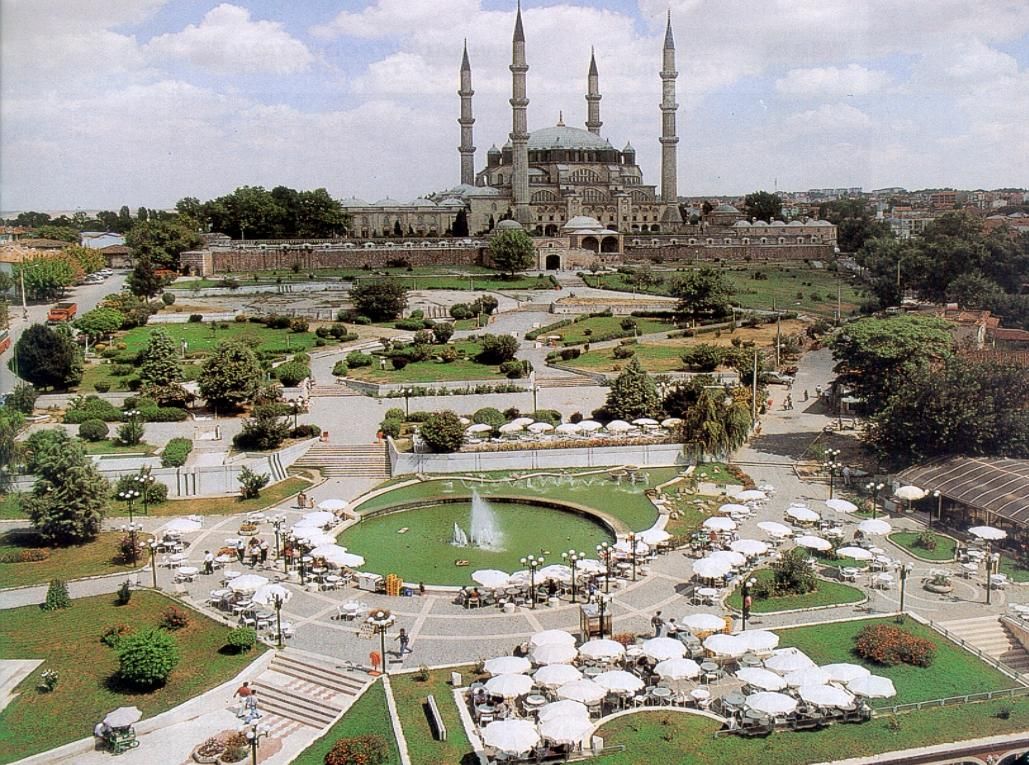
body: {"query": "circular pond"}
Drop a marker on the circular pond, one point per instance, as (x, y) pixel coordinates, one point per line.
(417, 543)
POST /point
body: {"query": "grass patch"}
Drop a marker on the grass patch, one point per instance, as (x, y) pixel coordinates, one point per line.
(945, 546)
(68, 641)
(463, 368)
(101, 372)
(1015, 572)
(113, 447)
(201, 338)
(494, 283)
(368, 716)
(608, 327)
(410, 696)
(71, 562)
(10, 506)
(231, 505)
(826, 594)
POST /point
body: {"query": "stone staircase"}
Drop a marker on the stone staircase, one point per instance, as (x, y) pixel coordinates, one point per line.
(307, 689)
(574, 381)
(325, 391)
(990, 635)
(347, 460)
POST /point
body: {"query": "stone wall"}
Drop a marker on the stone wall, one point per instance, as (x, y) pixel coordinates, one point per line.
(269, 258)
(775, 253)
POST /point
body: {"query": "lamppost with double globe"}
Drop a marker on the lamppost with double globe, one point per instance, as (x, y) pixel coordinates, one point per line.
(277, 601)
(145, 481)
(905, 571)
(277, 523)
(939, 507)
(573, 559)
(633, 542)
(873, 489)
(992, 561)
(132, 529)
(745, 592)
(603, 600)
(128, 495)
(533, 563)
(831, 465)
(604, 553)
(153, 560)
(253, 734)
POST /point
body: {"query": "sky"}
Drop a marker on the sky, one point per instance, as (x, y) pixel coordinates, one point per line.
(143, 102)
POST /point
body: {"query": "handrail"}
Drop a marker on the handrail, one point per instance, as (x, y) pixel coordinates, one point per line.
(972, 698)
(996, 663)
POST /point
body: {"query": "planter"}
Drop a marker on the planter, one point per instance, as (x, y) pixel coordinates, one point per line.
(223, 761)
(206, 759)
(941, 589)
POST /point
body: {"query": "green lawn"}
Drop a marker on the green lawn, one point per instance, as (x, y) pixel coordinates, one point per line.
(200, 337)
(108, 446)
(367, 716)
(1009, 566)
(71, 562)
(608, 326)
(622, 501)
(410, 694)
(492, 283)
(228, 505)
(102, 372)
(827, 594)
(944, 550)
(68, 641)
(464, 368)
(663, 357)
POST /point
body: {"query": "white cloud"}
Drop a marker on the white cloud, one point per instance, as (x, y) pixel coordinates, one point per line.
(227, 41)
(829, 118)
(831, 82)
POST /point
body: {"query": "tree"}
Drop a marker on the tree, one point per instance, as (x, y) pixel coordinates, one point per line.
(160, 363)
(135, 310)
(100, 322)
(57, 596)
(442, 332)
(7, 283)
(442, 432)
(59, 233)
(69, 497)
(460, 226)
(86, 259)
(161, 242)
(46, 276)
(704, 357)
(48, 357)
(231, 376)
(496, 349)
(718, 422)
(379, 300)
(5, 314)
(974, 290)
(10, 424)
(875, 356)
(633, 394)
(144, 281)
(702, 292)
(147, 657)
(762, 205)
(855, 223)
(251, 483)
(22, 398)
(511, 250)
(265, 430)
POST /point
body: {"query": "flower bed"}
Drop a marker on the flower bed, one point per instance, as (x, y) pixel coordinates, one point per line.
(888, 645)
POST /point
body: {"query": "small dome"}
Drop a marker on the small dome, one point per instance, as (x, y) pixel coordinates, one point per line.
(725, 208)
(794, 223)
(628, 148)
(388, 202)
(493, 149)
(778, 223)
(354, 202)
(584, 224)
(452, 202)
(760, 223)
(509, 225)
(820, 223)
(422, 202)
(741, 223)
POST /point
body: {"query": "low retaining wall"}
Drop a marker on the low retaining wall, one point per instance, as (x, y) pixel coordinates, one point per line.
(385, 389)
(532, 459)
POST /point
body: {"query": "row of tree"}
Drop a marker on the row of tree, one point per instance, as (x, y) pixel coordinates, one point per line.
(254, 212)
(68, 228)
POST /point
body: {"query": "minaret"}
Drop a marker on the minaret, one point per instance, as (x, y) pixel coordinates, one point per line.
(519, 127)
(669, 192)
(593, 122)
(467, 150)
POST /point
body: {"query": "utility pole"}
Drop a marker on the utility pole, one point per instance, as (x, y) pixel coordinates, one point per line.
(839, 303)
(753, 394)
(24, 304)
(778, 339)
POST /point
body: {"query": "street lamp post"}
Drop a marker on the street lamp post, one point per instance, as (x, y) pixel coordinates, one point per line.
(153, 560)
(745, 592)
(132, 529)
(992, 559)
(292, 548)
(277, 602)
(145, 481)
(535, 394)
(602, 601)
(304, 559)
(633, 541)
(277, 525)
(831, 464)
(874, 488)
(905, 571)
(573, 558)
(604, 553)
(533, 563)
(296, 410)
(254, 734)
(939, 507)
(129, 495)
(407, 402)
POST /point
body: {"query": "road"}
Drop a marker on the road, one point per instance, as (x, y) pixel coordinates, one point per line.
(88, 296)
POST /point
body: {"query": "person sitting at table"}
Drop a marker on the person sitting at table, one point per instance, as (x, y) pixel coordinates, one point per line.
(503, 710)
(463, 596)
(671, 628)
(102, 732)
(208, 562)
(551, 588)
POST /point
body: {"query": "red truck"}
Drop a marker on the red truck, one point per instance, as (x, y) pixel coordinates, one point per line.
(5, 340)
(62, 312)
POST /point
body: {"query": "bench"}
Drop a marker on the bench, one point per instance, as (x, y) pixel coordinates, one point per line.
(439, 728)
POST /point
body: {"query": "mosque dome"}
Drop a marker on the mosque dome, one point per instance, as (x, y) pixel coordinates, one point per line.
(354, 202)
(388, 202)
(741, 223)
(584, 224)
(422, 202)
(564, 137)
(725, 208)
(509, 225)
(451, 202)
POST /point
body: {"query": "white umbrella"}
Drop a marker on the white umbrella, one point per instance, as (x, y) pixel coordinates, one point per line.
(732, 557)
(720, 523)
(677, 669)
(479, 427)
(508, 665)
(464, 420)
(654, 536)
(566, 730)
(347, 560)
(988, 532)
(522, 421)
(661, 648)
(556, 571)
(509, 686)
(584, 691)
(702, 622)
(872, 686)
(671, 422)
(645, 421)
(770, 703)
(313, 536)
(618, 426)
(327, 551)
(625, 546)
(730, 508)
(602, 649)
(855, 553)
(845, 673)
(841, 505)
(554, 653)
(317, 518)
(122, 717)
(788, 660)
(807, 677)
(874, 526)
(589, 566)
(247, 583)
(540, 427)
(511, 736)
(725, 645)
(333, 505)
(759, 640)
(564, 708)
(568, 427)
(619, 681)
(511, 427)
(711, 568)
(182, 526)
(267, 594)
(802, 514)
(761, 678)
(814, 543)
(910, 493)
(491, 578)
(556, 675)
(749, 547)
(774, 529)
(588, 426)
(825, 695)
(750, 495)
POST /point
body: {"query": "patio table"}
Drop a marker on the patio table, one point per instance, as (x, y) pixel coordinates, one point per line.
(187, 572)
(850, 574)
(230, 573)
(592, 672)
(660, 693)
(708, 594)
(700, 694)
(350, 610)
(533, 702)
(734, 700)
(750, 660)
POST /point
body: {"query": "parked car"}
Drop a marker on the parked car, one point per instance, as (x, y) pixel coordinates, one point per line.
(776, 378)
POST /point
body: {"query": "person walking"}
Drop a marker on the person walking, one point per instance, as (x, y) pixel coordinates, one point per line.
(658, 623)
(240, 550)
(264, 553)
(208, 562)
(242, 693)
(405, 642)
(846, 475)
(251, 712)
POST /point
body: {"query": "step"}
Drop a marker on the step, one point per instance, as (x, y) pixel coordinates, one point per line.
(348, 684)
(285, 703)
(325, 391)
(567, 382)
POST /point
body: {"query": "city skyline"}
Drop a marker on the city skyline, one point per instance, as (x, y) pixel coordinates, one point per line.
(161, 99)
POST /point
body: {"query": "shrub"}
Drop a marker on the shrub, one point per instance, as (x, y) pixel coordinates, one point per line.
(147, 657)
(888, 645)
(322, 332)
(368, 749)
(418, 416)
(163, 414)
(308, 430)
(361, 320)
(448, 354)
(391, 427)
(926, 540)
(168, 298)
(442, 332)
(423, 337)
(623, 352)
(408, 324)
(49, 678)
(32, 555)
(299, 324)
(124, 594)
(443, 432)
(551, 416)
(93, 430)
(130, 433)
(195, 318)
(176, 452)
(102, 386)
(174, 619)
(703, 357)
(489, 416)
(399, 362)
(125, 551)
(57, 596)
(113, 635)
(339, 369)
(513, 369)
(211, 748)
(497, 349)
(291, 373)
(241, 639)
(235, 748)
(627, 324)
(339, 331)
(357, 359)
(460, 311)
(251, 483)
(567, 354)
(394, 413)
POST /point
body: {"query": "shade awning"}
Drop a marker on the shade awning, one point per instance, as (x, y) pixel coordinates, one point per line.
(997, 485)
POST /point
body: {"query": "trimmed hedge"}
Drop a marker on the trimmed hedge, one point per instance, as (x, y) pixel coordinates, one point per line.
(176, 452)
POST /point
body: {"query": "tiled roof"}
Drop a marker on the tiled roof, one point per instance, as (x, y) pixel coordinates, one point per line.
(995, 484)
